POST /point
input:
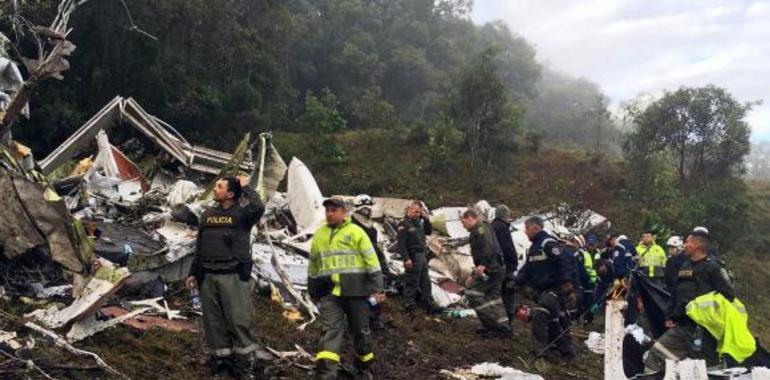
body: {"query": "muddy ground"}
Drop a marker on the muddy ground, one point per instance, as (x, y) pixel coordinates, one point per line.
(411, 347)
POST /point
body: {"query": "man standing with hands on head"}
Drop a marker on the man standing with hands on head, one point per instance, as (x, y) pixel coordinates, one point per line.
(222, 270)
(344, 275)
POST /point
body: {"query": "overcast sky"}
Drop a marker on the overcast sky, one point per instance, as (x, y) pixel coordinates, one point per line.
(629, 47)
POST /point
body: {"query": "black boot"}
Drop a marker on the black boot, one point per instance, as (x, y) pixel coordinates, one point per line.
(248, 368)
(364, 370)
(219, 364)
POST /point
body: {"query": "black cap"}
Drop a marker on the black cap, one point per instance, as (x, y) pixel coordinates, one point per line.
(334, 202)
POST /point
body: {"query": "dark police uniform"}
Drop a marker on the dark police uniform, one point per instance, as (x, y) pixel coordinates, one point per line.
(511, 258)
(411, 246)
(693, 279)
(622, 260)
(222, 268)
(484, 294)
(546, 272)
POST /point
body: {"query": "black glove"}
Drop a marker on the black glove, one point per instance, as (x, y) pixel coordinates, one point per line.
(244, 270)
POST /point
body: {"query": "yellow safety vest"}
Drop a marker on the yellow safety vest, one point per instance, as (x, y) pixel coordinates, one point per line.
(653, 258)
(726, 321)
(346, 255)
(588, 263)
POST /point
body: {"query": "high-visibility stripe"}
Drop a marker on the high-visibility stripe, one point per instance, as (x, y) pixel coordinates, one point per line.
(471, 292)
(223, 351)
(536, 258)
(340, 252)
(327, 355)
(702, 305)
(367, 358)
(245, 350)
(330, 272)
(337, 290)
(488, 304)
(663, 350)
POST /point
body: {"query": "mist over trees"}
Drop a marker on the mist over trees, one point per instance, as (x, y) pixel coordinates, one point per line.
(220, 68)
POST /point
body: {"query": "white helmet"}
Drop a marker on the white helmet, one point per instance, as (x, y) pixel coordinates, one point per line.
(701, 229)
(675, 241)
(362, 200)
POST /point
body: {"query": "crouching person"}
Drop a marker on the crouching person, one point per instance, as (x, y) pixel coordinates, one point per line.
(343, 273)
(222, 271)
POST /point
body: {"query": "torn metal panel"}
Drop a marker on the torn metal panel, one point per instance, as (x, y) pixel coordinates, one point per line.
(180, 240)
(45, 222)
(181, 192)
(305, 198)
(17, 230)
(120, 110)
(294, 265)
(271, 170)
(454, 263)
(146, 322)
(105, 282)
(447, 221)
(90, 326)
(81, 139)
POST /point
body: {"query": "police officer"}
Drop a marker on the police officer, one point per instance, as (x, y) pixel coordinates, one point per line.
(675, 260)
(484, 286)
(652, 258)
(411, 246)
(502, 227)
(548, 279)
(621, 256)
(699, 275)
(587, 276)
(222, 270)
(362, 217)
(344, 277)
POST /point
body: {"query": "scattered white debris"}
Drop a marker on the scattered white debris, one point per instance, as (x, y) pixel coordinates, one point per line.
(760, 373)
(106, 281)
(638, 333)
(181, 192)
(9, 338)
(595, 342)
(490, 371)
(90, 326)
(180, 239)
(686, 370)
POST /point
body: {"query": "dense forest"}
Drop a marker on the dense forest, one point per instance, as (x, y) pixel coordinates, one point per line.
(218, 68)
(413, 74)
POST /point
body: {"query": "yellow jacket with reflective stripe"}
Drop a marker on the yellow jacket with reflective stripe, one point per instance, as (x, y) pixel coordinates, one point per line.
(345, 256)
(726, 321)
(652, 259)
(588, 263)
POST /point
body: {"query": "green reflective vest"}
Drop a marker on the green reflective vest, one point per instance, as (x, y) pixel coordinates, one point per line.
(652, 259)
(346, 256)
(726, 321)
(588, 263)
